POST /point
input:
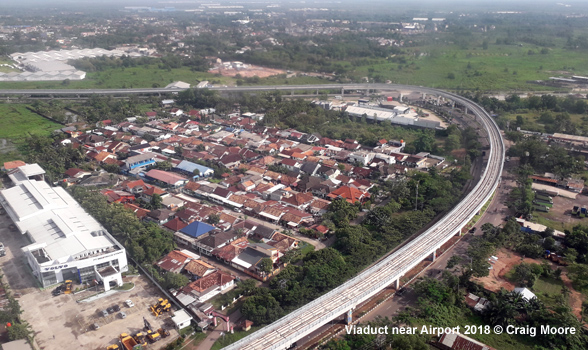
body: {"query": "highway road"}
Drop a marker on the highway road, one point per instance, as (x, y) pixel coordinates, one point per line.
(152, 91)
(284, 332)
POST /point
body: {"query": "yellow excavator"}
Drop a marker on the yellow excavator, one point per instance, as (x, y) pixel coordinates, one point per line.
(163, 332)
(151, 335)
(160, 307)
(140, 338)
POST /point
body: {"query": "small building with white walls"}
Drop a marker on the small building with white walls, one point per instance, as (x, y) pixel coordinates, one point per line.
(181, 319)
(526, 294)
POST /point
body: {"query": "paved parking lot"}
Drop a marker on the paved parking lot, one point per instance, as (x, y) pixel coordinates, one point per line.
(64, 321)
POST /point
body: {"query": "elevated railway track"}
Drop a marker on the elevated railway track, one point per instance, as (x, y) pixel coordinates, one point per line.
(343, 299)
(284, 332)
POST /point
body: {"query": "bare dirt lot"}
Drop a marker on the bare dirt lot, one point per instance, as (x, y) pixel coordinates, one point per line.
(61, 322)
(248, 72)
(507, 260)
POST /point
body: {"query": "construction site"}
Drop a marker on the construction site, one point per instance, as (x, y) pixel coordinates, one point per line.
(125, 320)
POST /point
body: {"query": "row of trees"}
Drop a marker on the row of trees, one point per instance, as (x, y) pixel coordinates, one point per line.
(103, 63)
(146, 242)
(514, 102)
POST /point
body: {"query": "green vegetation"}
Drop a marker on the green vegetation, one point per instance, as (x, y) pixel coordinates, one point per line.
(11, 313)
(146, 242)
(229, 338)
(16, 123)
(547, 290)
(126, 286)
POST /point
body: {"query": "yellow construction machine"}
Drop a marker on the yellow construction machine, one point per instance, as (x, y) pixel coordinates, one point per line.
(160, 307)
(68, 286)
(140, 339)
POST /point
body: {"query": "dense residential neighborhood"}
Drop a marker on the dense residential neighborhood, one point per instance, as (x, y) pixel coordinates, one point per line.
(236, 196)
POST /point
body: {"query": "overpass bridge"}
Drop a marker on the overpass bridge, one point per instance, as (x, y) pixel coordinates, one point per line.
(342, 300)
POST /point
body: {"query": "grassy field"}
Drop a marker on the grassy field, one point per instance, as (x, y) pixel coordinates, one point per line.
(551, 220)
(531, 122)
(15, 123)
(546, 289)
(4, 69)
(449, 66)
(499, 68)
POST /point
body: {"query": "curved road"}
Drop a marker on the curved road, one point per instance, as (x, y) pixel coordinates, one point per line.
(287, 330)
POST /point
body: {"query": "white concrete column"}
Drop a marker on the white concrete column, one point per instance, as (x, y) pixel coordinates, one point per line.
(349, 316)
(397, 284)
(434, 255)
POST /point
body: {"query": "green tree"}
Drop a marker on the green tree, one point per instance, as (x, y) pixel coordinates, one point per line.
(266, 265)
(20, 331)
(453, 261)
(262, 309)
(175, 280)
(523, 275)
(213, 219)
(155, 202)
(425, 142)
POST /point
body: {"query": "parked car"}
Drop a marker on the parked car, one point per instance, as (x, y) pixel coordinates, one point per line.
(473, 229)
(113, 309)
(129, 303)
(401, 292)
(104, 313)
(122, 314)
(95, 326)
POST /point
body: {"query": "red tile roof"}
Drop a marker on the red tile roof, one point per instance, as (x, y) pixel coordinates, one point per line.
(164, 176)
(175, 224)
(174, 261)
(351, 194)
(198, 267)
(14, 164)
(217, 278)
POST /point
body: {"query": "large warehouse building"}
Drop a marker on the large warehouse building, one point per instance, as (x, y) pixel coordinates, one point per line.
(67, 243)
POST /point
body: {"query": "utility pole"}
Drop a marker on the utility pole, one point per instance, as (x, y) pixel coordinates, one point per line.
(416, 201)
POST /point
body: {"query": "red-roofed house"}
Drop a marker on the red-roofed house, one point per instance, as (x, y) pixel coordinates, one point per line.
(14, 164)
(299, 200)
(167, 178)
(175, 224)
(199, 268)
(290, 164)
(139, 212)
(174, 261)
(351, 194)
(76, 173)
(209, 286)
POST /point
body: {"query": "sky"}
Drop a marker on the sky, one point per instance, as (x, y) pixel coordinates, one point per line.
(452, 5)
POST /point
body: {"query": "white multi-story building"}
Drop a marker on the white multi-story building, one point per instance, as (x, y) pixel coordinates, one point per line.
(66, 242)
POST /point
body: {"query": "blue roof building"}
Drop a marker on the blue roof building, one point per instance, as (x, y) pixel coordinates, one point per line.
(197, 229)
(189, 167)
